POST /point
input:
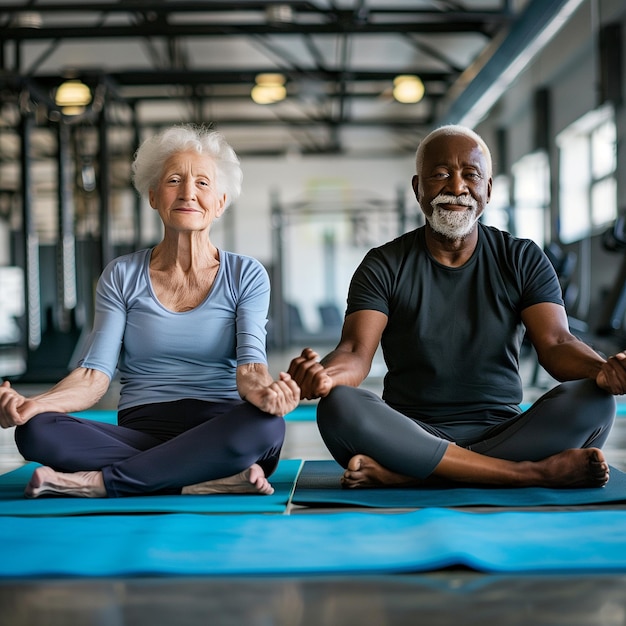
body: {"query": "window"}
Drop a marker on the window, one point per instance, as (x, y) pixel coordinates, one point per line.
(587, 183)
(531, 197)
(498, 210)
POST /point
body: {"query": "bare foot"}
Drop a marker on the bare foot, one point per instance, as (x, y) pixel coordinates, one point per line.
(365, 472)
(251, 480)
(574, 468)
(45, 481)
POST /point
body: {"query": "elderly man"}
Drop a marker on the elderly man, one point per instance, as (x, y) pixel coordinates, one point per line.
(450, 302)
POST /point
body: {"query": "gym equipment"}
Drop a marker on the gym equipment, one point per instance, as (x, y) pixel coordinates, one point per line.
(613, 320)
(317, 244)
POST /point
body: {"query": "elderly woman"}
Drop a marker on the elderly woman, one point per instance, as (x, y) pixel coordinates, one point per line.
(184, 324)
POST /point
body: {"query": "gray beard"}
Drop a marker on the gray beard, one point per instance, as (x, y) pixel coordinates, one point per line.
(453, 224)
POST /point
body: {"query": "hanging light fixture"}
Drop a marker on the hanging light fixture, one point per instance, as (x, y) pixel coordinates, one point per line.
(408, 89)
(269, 88)
(72, 96)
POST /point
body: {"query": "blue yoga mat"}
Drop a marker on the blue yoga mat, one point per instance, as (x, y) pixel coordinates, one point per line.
(340, 543)
(318, 485)
(12, 501)
(302, 413)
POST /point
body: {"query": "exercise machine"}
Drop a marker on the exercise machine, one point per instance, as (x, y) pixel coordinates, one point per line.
(613, 320)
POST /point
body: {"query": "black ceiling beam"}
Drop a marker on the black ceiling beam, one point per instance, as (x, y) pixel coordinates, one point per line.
(149, 29)
(414, 122)
(126, 6)
(373, 20)
(300, 7)
(163, 77)
(208, 77)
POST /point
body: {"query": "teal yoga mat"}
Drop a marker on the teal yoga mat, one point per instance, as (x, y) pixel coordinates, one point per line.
(12, 501)
(335, 543)
(318, 485)
(302, 413)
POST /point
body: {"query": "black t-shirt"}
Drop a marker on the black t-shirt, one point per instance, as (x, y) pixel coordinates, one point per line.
(452, 340)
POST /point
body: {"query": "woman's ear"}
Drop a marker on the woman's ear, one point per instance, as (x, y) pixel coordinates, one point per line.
(152, 199)
(221, 207)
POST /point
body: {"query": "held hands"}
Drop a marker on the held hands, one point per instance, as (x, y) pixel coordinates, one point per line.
(612, 375)
(311, 375)
(15, 409)
(279, 398)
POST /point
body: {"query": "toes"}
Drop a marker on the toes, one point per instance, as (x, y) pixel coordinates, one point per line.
(354, 464)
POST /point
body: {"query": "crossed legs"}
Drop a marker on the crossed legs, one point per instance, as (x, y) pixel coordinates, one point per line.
(233, 451)
(556, 443)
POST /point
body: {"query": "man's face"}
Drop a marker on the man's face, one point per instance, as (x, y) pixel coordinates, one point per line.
(453, 186)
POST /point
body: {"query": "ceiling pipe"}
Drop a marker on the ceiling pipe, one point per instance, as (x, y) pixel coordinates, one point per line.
(484, 82)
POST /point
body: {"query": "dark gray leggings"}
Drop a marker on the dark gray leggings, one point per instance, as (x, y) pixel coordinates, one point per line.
(160, 447)
(575, 414)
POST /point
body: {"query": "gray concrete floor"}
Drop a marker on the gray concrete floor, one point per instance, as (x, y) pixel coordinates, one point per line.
(454, 596)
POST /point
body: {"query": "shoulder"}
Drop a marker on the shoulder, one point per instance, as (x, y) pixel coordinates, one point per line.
(397, 250)
(241, 264)
(524, 262)
(243, 271)
(503, 244)
(127, 266)
(403, 244)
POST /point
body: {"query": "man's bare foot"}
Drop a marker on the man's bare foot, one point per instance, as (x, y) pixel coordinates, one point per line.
(45, 481)
(575, 468)
(251, 480)
(365, 472)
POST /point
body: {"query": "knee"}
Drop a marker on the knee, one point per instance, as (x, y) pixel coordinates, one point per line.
(275, 431)
(586, 393)
(264, 432)
(31, 438)
(337, 409)
(583, 402)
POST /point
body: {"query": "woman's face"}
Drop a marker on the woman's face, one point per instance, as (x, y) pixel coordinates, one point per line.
(186, 196)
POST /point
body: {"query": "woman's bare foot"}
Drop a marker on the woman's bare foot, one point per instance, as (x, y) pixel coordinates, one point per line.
(45, 481)
(251, 480)
(365, 472)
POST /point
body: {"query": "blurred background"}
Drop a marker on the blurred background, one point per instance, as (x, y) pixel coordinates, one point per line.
(325, 103)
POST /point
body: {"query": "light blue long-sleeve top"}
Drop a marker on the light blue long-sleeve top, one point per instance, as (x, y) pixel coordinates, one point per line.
(162, 355)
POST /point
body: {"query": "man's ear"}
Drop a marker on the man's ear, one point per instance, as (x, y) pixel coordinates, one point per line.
(489, 186)
(415, 184)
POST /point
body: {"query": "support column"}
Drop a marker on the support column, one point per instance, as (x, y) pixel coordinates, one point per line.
(66, 251)
(30, 237)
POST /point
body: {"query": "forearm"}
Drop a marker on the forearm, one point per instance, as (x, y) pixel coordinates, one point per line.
(345, 367)
(252, 377)
(571, 360)
(78, 391)
(256, 386)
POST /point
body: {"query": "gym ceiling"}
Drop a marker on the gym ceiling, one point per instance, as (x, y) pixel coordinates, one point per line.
(150, 63)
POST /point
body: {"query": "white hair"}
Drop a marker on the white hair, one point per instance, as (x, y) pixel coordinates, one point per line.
(151, 156)
(452, 130)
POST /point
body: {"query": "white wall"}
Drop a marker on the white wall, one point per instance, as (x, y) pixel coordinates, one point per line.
(296, 178)
(347, 185)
